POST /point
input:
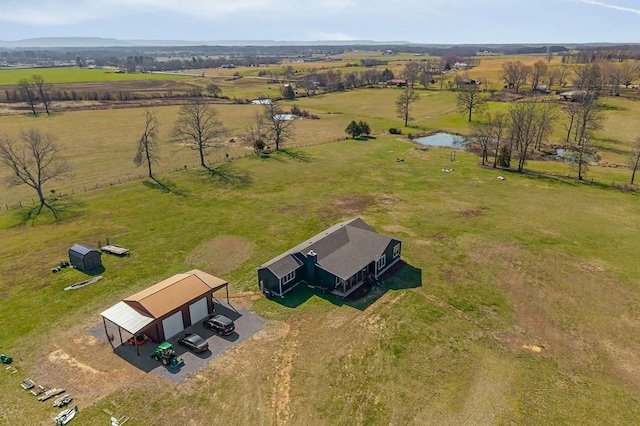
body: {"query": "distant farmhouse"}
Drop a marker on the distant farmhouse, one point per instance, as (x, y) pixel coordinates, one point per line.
(339, 260)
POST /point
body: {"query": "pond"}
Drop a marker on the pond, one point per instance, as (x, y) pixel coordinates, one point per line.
(572, 156)
(441, 139)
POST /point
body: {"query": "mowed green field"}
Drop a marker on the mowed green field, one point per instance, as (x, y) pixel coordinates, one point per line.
(519, 304)
(77, 75)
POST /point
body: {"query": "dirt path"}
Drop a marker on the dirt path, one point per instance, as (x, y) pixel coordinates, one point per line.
(282, 388)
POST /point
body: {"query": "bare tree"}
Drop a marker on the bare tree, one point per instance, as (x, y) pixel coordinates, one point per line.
(635, 159)
(33, 161)
(588, 76)
(538, 72)
(528, 127)
(29, 93)
(482, 135)
(44, 91)
(615, 80)
(403, 104)
(515, 74)
(470, 100)
(563, 74)
(278, 125)
(198, 128)
(589, 120)
(630, 71)
(547, 115)
(148, 144)
(412, 72)
(499, 125)
(255, 135)
(572, 111)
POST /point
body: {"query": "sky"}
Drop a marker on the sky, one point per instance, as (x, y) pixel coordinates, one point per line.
(418, 21)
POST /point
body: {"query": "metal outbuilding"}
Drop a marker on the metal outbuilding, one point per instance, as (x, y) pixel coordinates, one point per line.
(166, 308)
(84, 257)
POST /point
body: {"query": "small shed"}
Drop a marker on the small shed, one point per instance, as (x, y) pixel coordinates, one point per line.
(85, 257)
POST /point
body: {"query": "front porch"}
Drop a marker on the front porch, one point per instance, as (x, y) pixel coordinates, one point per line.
(345, 287)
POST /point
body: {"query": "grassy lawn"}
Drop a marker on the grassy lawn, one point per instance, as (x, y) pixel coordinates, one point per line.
(494, 266)
(76, 75)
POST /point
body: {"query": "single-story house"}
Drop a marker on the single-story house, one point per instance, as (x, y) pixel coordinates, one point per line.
(283, 117)
(166, 308)
(339, 260)
(84, 257)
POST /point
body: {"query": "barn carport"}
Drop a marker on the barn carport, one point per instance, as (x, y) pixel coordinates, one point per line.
(166, 308)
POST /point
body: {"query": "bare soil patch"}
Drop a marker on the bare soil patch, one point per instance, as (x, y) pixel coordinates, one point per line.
(221, 255)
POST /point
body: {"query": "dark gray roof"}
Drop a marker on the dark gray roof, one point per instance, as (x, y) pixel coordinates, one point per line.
(82, 249)
(342, 249)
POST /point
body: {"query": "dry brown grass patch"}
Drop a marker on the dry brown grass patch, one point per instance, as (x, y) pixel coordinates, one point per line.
(221, 255)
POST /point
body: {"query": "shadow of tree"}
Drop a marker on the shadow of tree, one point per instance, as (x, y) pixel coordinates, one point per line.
(57, 209)
(296, 155)
(227, 175)
(165, 185)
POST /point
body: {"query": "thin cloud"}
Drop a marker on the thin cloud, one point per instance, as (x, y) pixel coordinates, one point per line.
(612, 6)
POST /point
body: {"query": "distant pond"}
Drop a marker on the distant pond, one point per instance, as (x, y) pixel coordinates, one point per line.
(441, 139)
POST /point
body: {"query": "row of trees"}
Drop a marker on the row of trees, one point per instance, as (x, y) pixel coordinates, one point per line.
(594, 75)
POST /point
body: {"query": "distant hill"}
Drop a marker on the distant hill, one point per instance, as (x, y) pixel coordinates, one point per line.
(88, 42)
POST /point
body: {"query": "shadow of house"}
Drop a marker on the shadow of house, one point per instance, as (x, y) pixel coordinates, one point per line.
(340, 261)
(401, 276)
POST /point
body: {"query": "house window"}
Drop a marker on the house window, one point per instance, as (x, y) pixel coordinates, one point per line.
(338, 281)
(290, 276)
(396, 251)
(381, 262)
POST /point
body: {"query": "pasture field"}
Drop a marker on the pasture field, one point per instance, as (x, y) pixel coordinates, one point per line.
(76, 75)
(519, 303)
(100, 144)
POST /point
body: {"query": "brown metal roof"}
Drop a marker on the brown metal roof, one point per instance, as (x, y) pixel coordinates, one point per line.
(165, 296)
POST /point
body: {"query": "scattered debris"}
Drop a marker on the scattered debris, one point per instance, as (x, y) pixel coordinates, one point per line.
(65, 416)
(119, 422)
(447, 170)
(38, 390)
(11, 369)
(63, 264)
(50, 394)
(27, 384)
(501, 177)
(63, 400)
(83, 283)
(400, 160)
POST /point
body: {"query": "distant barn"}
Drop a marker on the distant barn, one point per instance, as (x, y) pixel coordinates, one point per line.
(84, 257)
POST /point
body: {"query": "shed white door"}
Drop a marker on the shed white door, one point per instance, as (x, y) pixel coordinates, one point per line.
(198, 310)
(172, 325)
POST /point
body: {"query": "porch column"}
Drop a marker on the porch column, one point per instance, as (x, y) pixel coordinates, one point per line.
(106, 332)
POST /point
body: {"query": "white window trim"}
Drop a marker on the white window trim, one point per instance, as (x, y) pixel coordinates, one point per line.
(396, 250)
(287, 278)
(382, 261)
(339, 281)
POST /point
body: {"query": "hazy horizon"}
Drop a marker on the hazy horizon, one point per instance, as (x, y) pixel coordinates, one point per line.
(432, 22)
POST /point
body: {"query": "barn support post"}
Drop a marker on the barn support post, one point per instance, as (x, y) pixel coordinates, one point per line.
(120, 333)
(135, 341)
(227, 288)
(106, 332)
(157, 332)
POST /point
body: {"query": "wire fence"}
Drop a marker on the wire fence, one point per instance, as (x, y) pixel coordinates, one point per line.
(73, 190)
